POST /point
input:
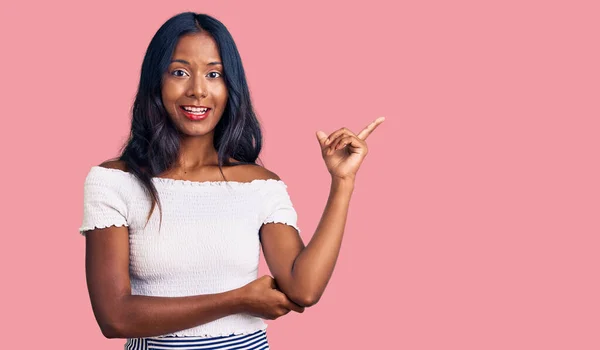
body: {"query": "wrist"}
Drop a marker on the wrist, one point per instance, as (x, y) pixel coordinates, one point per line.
(239, 299)
(343, 182)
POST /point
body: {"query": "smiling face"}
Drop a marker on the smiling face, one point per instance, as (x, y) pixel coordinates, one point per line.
(193, 88)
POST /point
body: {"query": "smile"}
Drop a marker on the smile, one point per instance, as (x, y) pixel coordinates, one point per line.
(195, 113)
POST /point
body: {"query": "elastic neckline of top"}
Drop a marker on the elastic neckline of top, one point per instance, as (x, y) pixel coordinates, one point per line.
(192, 182)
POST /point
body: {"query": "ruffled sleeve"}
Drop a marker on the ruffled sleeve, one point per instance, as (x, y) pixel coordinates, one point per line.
(278, 206)
(103, 205)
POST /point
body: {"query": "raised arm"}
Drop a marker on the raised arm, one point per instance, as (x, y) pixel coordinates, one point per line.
(302, 273)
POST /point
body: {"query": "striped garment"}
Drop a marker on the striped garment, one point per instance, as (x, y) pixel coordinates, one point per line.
(254, 341)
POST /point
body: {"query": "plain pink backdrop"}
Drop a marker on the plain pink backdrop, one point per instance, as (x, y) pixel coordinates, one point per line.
(475, 219)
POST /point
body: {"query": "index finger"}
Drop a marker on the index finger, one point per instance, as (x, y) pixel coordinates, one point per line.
(369, 129)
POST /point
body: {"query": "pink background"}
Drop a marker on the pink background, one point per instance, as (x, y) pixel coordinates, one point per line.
(475, 219)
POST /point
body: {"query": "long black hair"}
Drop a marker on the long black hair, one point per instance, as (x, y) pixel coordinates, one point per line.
(153, 144)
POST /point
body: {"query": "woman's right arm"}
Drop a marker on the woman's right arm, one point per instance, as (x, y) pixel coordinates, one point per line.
(122, 315)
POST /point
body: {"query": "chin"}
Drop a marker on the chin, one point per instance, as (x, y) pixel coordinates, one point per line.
(195, 132)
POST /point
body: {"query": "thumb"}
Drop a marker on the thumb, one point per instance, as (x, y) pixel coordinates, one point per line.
(321, 136)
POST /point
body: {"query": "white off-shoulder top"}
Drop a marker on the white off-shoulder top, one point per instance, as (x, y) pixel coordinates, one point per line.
(208, 242)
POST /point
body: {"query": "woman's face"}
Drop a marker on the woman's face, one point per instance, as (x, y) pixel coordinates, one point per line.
(194, 81)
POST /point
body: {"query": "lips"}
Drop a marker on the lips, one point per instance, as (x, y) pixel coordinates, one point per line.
(196, 112)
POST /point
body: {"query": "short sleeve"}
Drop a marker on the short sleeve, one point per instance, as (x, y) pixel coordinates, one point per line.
(103, 206)
(279, 207)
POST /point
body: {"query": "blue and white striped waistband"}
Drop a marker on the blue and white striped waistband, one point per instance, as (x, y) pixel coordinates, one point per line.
(251, 341)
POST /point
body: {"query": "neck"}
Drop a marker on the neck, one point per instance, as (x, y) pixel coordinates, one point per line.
(196, 152)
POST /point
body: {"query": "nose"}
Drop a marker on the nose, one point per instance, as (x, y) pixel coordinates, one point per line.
(198, 87)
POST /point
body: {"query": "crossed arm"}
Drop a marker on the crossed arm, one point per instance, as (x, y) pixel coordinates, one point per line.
(301, 272)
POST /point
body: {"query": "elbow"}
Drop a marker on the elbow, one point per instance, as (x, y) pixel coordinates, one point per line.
(307, 299)
(112, 326)
(303, 295)
(112, 318)
(112, 329)
(310, 301)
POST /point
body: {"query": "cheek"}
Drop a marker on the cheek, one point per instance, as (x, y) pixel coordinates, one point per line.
(169, 95)
(171, 91)
(222, 95)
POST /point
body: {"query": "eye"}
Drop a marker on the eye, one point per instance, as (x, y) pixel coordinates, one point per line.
(178, 70)
(212, 74)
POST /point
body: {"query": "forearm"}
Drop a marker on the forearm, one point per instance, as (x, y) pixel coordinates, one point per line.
(136, 316)
(314, 265)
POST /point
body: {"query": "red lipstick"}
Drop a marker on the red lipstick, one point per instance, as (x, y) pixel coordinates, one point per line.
(195, 112)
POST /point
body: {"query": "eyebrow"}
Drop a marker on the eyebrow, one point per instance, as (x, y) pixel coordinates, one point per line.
(188, 63)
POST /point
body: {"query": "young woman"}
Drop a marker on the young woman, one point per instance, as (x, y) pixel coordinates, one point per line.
(185, 275)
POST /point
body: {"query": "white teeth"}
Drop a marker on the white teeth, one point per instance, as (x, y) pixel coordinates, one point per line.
(196, 110)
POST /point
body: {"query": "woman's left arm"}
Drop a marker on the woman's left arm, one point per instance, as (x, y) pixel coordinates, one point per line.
(302, 273)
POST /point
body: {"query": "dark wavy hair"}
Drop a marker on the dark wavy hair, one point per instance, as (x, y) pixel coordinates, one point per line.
(153, 144)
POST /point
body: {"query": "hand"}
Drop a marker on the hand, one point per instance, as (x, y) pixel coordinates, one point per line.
(343, 151)
(263, 300)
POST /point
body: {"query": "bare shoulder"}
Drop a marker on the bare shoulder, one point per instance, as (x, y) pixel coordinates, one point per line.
(264, 173)
(255, 172)
(115, 164)
(242, 173)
